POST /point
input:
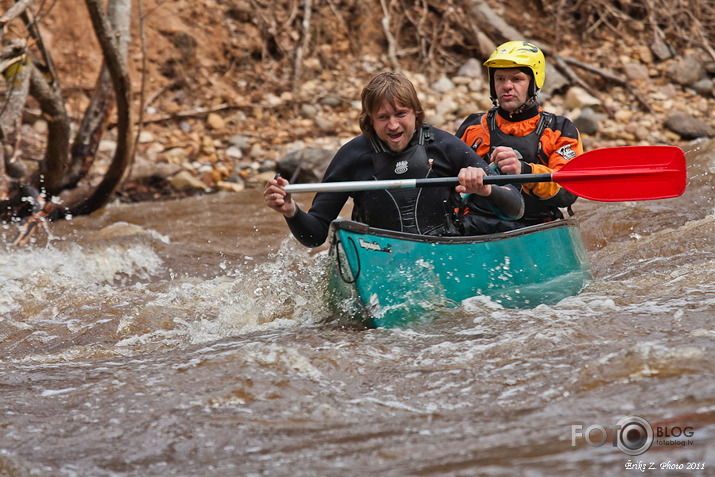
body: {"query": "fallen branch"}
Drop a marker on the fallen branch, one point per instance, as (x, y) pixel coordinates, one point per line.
(609, 76)
(193, 113)
(495, 25)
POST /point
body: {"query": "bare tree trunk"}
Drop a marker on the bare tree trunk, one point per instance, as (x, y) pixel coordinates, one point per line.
(93, 125)
(55, 173)
(119, 74)
(52, 168)
(96, 117)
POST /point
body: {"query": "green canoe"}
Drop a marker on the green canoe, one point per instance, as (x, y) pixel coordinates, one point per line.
(391, 279)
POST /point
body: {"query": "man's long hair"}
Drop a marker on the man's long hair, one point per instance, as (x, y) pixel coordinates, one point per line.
(393, 87)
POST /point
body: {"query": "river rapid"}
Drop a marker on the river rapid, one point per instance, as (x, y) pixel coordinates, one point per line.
(189, 337)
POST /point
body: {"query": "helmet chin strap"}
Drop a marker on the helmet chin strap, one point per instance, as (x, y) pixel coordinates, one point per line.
(527, 104)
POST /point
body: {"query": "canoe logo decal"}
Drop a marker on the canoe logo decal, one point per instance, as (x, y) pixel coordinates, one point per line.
(401, 167)
(374, 246)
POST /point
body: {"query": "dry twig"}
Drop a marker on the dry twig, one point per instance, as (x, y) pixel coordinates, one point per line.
(391, 43)
(302, 48)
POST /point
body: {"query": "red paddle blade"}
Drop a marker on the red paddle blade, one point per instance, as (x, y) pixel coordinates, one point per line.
(625, 173)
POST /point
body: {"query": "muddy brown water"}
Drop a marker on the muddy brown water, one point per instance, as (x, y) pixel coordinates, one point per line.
(189, 338)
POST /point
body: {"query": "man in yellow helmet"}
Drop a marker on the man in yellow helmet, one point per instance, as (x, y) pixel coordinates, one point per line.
(517, 136)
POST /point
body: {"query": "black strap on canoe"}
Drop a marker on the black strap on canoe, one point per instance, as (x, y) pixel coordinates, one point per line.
(340, 265)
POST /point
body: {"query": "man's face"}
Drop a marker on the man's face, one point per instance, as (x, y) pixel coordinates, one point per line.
(394, 126)
(512, 87)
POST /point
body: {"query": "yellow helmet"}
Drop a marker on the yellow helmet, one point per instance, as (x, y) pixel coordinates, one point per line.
(518, 54)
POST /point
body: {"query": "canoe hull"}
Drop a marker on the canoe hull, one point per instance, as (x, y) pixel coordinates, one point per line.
(392, 279)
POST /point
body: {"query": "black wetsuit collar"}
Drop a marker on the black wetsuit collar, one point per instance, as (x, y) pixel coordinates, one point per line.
(379, 146)
(528, 113)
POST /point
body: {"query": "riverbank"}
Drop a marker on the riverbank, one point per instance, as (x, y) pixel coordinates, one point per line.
(227, 149)
(224, 101)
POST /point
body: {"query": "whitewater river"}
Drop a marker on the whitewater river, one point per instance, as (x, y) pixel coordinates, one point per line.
(189, 338)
